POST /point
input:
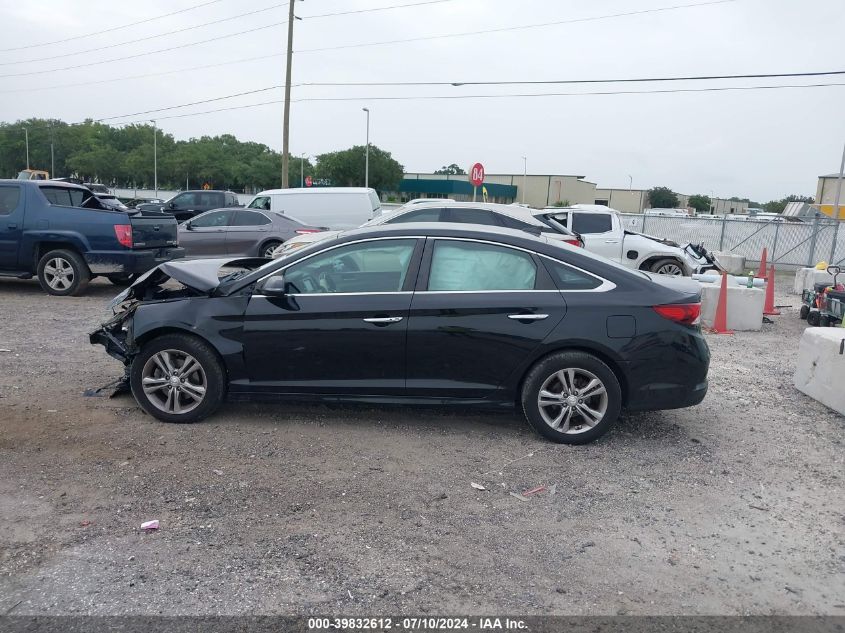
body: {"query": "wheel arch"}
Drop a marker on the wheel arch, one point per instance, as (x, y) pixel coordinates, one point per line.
(602, 355)
(164, 330)
(41, 248)
(647, 263)
(270, 240)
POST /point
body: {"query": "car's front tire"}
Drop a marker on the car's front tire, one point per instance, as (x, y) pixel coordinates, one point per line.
(268, 248)
(63, 273)
(667, 267)
(178, 378)
(571, 398)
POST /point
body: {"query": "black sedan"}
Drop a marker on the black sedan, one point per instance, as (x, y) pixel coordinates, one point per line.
(415, 313)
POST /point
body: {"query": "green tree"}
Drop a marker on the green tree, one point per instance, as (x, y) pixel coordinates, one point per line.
(700, 203)
(346, 168)
(451, 170)
(662, 198)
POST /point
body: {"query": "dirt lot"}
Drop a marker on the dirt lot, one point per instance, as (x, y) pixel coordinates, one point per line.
(732, 507)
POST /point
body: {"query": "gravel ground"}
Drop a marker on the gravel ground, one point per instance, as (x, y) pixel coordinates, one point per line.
(732, 507)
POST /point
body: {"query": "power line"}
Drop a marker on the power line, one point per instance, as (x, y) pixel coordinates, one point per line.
(503, 29)
(193, 103)
(499, 96)
(112, 29)
(143, 39)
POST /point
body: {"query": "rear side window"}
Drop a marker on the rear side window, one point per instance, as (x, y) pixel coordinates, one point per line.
(63, 196)
(513, 223)
(591, 222)
(473, 216)
(214, 219)
(249, 218)
(420, 215)
(568, 278)
(261, 202)
(473, 267)
(9, 199)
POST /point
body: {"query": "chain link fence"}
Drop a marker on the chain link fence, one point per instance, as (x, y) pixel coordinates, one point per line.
(790, 244)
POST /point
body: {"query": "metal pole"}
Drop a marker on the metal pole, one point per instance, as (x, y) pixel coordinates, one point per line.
(26, 135)
(302, 171)
(839, 188)
(187, 186)
(524, 177)
(812, 252)
(722, 236)
(630, 182)
(775, 245)
(52, 156)
(286, 123)
(155, 158)
(367, 152)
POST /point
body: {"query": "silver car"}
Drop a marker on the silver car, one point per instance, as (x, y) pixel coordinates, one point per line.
(239, 232)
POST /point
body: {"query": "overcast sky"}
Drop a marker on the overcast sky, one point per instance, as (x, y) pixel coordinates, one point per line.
(760, 144)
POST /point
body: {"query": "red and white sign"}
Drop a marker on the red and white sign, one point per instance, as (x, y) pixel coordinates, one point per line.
(476, 175)
(308, 181)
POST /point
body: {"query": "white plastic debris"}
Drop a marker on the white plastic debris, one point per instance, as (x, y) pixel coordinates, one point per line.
(477, 486)
(150, 525)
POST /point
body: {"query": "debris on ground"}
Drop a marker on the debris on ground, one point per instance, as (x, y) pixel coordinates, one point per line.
(533, 491)
(477, 486)
(150, 525)
(519, 496)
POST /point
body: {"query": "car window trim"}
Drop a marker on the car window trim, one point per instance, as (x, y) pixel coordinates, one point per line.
(605, 286)
(416, 258)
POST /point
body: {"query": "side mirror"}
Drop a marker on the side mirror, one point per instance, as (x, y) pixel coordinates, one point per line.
(274, 286)
(189, 226)
(171, 205)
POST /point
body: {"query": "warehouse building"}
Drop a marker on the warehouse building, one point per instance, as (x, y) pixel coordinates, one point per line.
(538, 190)
(826, 195)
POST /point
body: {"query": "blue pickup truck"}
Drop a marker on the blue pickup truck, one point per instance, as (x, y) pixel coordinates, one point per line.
(62, 234)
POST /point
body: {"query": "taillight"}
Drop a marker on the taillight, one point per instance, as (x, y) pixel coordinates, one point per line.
(124, 234)
(574, 242)
(683, 313)
(307, 231)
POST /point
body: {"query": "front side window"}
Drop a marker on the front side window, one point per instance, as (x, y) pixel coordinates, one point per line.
(567, 278)
(249, 218)
(420, 215)
(473, 266)
(211, 220)
(377, 266)
(9, 199)
(184, 200)
(261, 202)
(587, 223)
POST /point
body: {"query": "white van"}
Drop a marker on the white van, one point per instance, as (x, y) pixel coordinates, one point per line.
(336, 208)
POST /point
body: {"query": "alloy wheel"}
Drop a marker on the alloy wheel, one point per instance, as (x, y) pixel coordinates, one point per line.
(670, 269)
(572, 401)
(174, 381)
(59, 274)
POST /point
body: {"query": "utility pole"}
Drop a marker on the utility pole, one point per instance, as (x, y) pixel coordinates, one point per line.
(524, 177)
(367, 152)
(155, 157)
(26, 135)
(52, 155)
(286, 124)
(302, 171)
(838, 198)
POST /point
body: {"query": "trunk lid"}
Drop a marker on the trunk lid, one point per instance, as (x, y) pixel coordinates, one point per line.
(688, 289)
(153, 230)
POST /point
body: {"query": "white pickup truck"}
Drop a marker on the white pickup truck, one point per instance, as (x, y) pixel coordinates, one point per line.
(603, 233)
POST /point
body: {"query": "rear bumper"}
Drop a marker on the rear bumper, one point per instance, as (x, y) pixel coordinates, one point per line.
(658, 397)
(130, 262)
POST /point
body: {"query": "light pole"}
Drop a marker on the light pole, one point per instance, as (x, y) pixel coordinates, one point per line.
(302, 171)
(52, 155)
(630, 182)
(286, 116)
(367, 152)
(838, 189)
(155, 157)
(524, 177)
(26, 135)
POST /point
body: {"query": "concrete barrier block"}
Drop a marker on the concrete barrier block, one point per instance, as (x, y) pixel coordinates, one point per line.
(806, 278)
(745, 307)
(820, 366)
(733, 264)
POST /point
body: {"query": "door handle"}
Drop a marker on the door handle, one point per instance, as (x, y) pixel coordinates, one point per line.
(11, 226)
(611, 241)
(528, 317)
(384, 320)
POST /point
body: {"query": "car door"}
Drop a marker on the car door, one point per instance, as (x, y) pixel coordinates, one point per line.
(205, 235)
(11, 225)
(246, 231)
(480, 309)
(596, 229)
(340, 327)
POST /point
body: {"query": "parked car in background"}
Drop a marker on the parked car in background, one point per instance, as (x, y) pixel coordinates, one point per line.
(416, 313)
(187, 204)
(111, 201)
(239, 232)
(133, 203)
(338, 208)
(97, 188)
(421, 200)
(604, 234)
(488, 214)
(65, 236)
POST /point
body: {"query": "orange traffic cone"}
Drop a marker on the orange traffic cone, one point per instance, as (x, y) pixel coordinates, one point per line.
(761, 272)
(720, 323)
(769, 308)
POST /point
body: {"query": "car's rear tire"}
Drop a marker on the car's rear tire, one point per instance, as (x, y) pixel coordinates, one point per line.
(571, 398)
(803, 312)
(63, 273)
(813, 318)
(667, 267)
(268, 248)
(178, 378)
(121, 279)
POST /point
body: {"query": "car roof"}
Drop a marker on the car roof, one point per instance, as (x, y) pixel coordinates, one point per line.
(44, 183)
(447, 229)
(313, 190)
(583, 208)
(519, 213)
